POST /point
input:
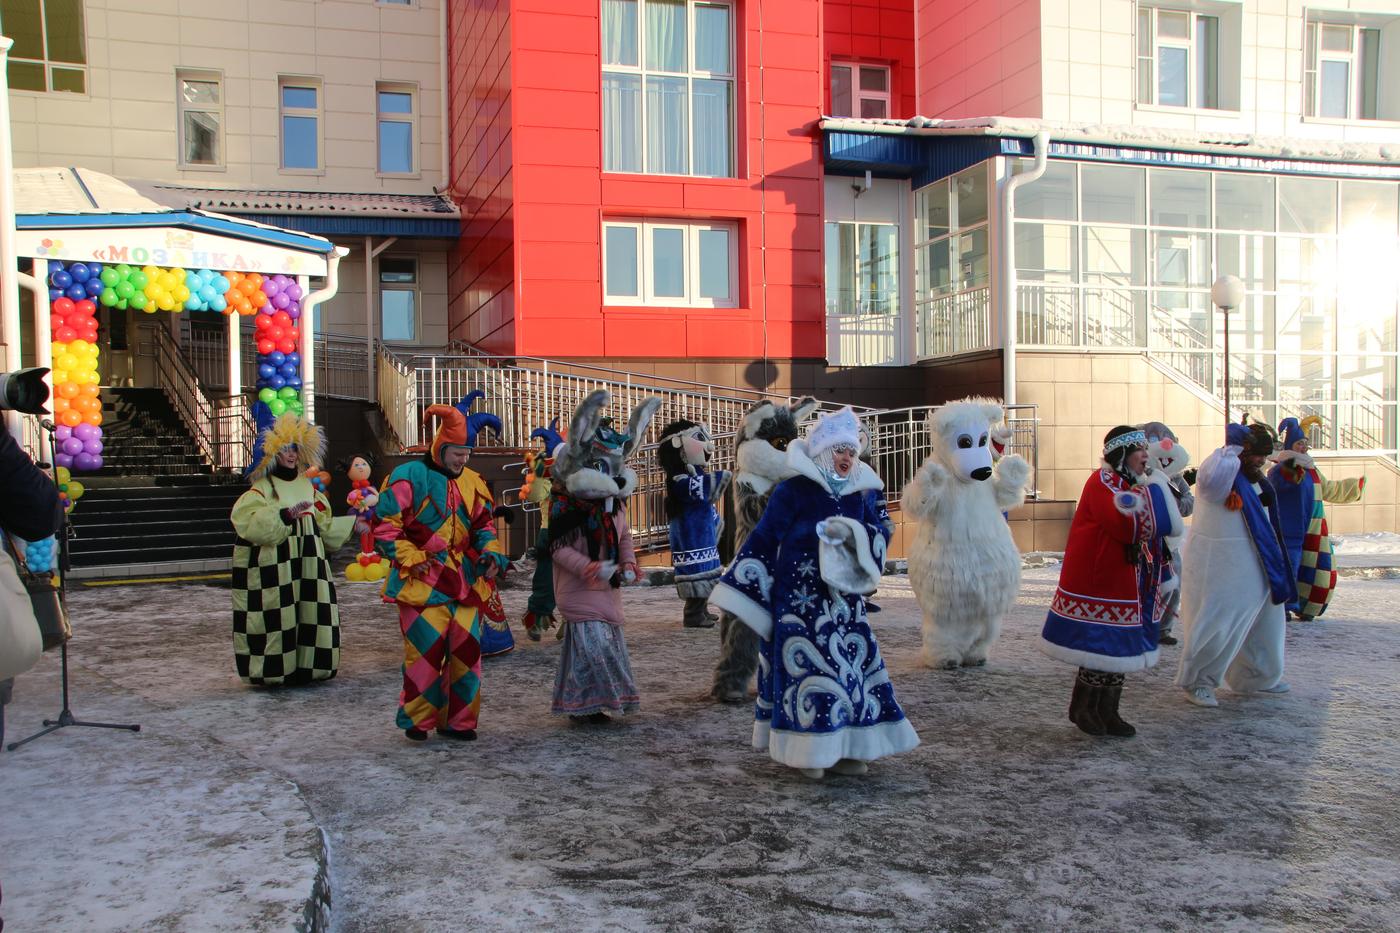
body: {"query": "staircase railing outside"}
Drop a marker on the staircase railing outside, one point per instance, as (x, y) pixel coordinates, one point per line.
(221, 430)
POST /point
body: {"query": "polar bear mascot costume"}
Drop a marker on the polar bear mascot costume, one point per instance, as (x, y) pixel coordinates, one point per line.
(964, 567)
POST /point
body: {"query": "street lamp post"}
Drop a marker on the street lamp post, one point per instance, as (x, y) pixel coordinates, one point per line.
(1227, 293)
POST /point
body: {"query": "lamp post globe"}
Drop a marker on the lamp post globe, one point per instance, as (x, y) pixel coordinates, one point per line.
(1227, 293)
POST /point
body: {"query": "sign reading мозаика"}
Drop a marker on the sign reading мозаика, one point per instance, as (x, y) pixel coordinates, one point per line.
(167, 247)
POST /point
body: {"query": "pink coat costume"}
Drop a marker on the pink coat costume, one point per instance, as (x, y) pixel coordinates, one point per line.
(579, 599)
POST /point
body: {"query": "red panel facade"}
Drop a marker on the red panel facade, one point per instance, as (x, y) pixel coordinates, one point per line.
(527, 169)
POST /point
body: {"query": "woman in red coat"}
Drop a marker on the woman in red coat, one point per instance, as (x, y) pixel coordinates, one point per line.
(1107, 607)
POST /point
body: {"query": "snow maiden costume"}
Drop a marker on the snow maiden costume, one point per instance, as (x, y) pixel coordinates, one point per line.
(1237, 577)
(591, 545)
(439, 526)
(1104, 616)
(825, 700)
(286, 624)
(760, 454)
(1305, 531)
(683, 450)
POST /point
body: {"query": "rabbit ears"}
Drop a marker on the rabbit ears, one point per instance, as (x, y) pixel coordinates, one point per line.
(588, 426)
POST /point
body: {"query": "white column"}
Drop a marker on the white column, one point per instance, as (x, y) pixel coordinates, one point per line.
(9, 295)
(235, 355)
(369, 315)
(307, 329)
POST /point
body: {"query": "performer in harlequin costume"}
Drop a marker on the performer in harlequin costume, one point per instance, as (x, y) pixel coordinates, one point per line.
(1106, 609)
(683, 451)
(539, 483)
(286, 624)
(825, 701)
(362, 499)
(1317, 572)
(436, 515)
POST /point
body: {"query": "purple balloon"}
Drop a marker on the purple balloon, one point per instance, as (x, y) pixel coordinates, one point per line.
(62, 432)
(280, 301)
(86, 432)
(72, 446)
(267, 309)
(64, 461)
(270, 287)
(293, 311)
(93, 446)
(86, 462)
(294, 291)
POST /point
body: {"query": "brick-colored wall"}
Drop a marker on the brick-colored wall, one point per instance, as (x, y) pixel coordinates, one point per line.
(873, 32)
(982, 58)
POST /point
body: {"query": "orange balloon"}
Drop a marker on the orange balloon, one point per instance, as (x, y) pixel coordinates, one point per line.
(94, 419)
(246, 286)
(89, 389)
(259, 298)
(71, 417)
(232, 277)
(68, 390)
(60, 404)
(257, 279)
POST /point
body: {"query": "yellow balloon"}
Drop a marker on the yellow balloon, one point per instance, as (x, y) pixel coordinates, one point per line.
(153, 289)
(355, 573)
(60, 376)
(151, 271)
(77, 347)
(181, 293)
(178, 273)
(165, 302)
(75, 490)
(374, 572)
(93, 350)
(91, 378)
(67, 362)
(63, 475)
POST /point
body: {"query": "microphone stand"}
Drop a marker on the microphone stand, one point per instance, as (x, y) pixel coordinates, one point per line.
(65, 715)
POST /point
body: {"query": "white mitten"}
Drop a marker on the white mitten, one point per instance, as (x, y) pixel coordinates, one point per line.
(1130, 503)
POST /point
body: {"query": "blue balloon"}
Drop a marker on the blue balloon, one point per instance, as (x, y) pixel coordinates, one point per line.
(220, 284)
(207, 275)
(217, 303)
(94, 269)
(193, 303)
(76, 291)
(93, 286)
(294, 358)
(79, 272)
(206, 293)
(294, 382)
(277, 382)
(55, 294)
(265, 370)
(60, 279)
(276, 358)
(289, 369)
(55, 266)
(193, 282)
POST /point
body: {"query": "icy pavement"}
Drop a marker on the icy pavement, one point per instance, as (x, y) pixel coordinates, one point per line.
(1269, 813)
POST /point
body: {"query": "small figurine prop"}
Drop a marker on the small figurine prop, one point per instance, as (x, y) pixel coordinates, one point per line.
(363, 498)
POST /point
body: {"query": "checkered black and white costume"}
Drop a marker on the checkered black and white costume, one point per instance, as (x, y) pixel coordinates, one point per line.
(286, 625)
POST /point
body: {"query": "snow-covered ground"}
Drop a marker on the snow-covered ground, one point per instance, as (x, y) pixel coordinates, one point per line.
(1269, 813)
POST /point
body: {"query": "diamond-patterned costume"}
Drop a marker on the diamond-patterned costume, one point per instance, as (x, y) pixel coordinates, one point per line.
(1317, 574)
(286, 626)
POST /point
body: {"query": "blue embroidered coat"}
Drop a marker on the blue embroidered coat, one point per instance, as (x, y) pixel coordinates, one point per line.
(695, 532)
(1295, 493)
(823, 691)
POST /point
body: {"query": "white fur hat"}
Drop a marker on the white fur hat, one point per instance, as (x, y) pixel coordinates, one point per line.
(839, 427)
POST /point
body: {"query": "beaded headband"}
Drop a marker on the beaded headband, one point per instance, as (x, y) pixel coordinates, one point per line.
(1130, 439)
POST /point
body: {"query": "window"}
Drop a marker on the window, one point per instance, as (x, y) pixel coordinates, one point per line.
(668, 87)
(670, 264)
(200, 99)
(862, 268)
(952, 264)
(1178, 58)
(50, 52)
(1341, 78)
(398, 299)
(301, 123)
(860, 91)
(397, 121)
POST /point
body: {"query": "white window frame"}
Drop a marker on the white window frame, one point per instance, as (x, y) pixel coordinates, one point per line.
(645, 284)
(1152, 61)
(397, 87)
(318, 113)
(858, 95)
(1313, 58)
(691, 73)
(182, 107)
(414, 287)
(48, 63)
(852, 275)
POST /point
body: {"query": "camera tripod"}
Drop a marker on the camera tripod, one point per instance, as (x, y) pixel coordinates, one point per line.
(65, 715)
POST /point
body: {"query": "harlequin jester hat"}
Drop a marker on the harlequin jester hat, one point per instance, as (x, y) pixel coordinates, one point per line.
(550, 435)
(1292, 430)
(289, 430)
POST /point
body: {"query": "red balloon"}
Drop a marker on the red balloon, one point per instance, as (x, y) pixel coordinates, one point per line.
(62, 306)
(266, 346)
(65, 334)
(286, 346)
(263, 322)
(85, 306)
(294, 335)
(282, 318)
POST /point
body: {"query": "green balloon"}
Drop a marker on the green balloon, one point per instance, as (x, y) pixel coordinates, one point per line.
(108, 296)
(294, 406)
(266, 395)
(124, 289)
(122, 304)
(110, 277)
(138, 279)
(287, 392)
(123, 270)
(277, 406)
(137, 300)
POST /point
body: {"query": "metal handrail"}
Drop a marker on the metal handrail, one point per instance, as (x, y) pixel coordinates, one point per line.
(222, 429)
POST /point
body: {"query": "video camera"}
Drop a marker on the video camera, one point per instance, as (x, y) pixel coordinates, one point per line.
(24, 391)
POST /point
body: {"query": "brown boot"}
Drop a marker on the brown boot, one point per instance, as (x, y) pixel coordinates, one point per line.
(1108, 710)
(1084, 703)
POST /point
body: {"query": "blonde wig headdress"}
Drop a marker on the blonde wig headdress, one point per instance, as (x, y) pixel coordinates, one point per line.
(289, 430)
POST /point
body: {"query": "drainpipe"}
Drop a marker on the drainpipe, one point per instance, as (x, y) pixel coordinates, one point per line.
(445, 159)
(1041, 145)
(308, 332)
(9, 296)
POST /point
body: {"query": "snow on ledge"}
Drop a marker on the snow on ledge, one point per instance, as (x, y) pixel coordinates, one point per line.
(1108, 134)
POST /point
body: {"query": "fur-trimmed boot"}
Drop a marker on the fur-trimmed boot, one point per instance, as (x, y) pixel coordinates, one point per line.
(1109, 695)
(696, 615)
(1084, 703)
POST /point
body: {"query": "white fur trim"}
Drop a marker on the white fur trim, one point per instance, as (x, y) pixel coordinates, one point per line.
(760, 458)
(1099, 662)
(824, 749)
(862, 477)
(742, 608)
(845, 560)
(593, 484)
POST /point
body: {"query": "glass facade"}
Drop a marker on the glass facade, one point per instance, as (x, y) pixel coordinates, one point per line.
(952, 264)
(1123, 256)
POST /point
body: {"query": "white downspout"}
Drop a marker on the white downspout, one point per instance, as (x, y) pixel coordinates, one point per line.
(308, 331)
(1041, 150)
(9, 261)
(445, 159)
